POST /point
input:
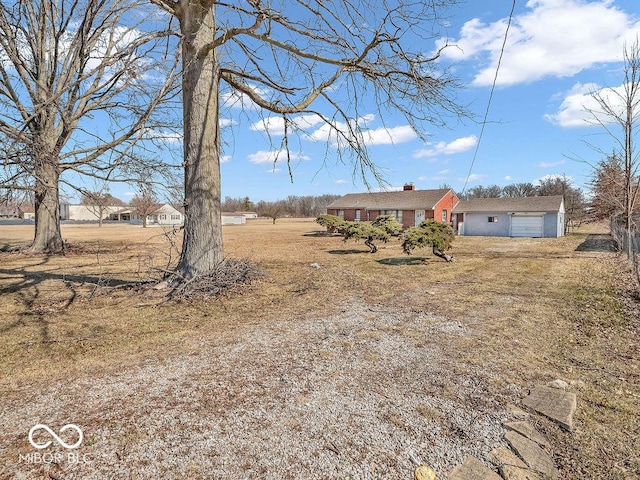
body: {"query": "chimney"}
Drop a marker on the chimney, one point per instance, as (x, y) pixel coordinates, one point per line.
(409, 186)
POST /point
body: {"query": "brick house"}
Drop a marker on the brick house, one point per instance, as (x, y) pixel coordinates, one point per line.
(409, 206)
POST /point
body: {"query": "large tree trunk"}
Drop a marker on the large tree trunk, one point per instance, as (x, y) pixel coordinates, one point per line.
(202, 245)
(47, 238)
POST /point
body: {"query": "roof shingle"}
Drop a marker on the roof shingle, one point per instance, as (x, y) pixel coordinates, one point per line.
(401, 200)
(517, 204)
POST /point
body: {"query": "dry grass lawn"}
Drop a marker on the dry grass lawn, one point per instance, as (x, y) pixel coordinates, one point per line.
(353, 337)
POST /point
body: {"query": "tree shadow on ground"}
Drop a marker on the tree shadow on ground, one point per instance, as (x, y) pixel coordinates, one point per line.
(396, 261)
(41, 302)
(598, 243)
(321, 234)
(349, 251)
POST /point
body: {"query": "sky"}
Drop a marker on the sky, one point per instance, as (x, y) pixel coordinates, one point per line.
(557, 53)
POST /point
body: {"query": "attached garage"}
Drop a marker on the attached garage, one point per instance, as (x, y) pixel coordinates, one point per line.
(511, 217)
(527, 226)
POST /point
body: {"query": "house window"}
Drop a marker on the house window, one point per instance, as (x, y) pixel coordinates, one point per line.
(341, 213)
(357, 215)
(163, 217)
(492, 219)
(397, 214)
(444, 216)
(175, 217)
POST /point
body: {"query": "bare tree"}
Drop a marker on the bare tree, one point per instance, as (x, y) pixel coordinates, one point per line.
(492, 191)
(525, 189)
(273, 210)
(144, 204)
(608, 189)
(287, 58)
(78, 90)
(618, 115)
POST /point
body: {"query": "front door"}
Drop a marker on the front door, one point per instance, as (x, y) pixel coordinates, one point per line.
(419, 217)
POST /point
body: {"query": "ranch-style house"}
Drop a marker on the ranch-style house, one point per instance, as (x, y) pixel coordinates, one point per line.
(409, 206)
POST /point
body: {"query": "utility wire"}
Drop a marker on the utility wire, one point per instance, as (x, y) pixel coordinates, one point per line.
(493, 87)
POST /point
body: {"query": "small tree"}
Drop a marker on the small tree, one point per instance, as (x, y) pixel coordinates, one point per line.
(331, 222)
(381, 229)
(273, 210)
(144, 204)
(429, 233)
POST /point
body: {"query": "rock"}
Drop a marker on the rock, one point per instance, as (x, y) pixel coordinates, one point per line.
(517, 411)
(510, 466)
(555, 404)
(502, 456)
(314, 265)
(424, 473)
(529, 431)
(561, 384)
(473, 469)
(535, 457)
(509, 472)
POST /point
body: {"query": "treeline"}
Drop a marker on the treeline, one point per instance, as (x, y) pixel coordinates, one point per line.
(292, 206)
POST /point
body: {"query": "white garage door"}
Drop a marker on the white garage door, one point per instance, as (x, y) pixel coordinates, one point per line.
(526, 226)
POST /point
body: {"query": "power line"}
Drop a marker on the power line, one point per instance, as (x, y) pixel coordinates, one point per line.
(493, 87)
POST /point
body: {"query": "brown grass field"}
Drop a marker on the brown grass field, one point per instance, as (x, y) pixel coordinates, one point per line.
(506, 315)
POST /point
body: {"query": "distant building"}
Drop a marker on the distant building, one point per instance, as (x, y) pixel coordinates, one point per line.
(163, 214)
(86, 213)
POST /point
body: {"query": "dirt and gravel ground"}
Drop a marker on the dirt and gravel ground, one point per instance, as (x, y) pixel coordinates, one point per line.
(358, 369)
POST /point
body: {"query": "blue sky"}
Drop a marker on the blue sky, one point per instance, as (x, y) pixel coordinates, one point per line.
(557, 53)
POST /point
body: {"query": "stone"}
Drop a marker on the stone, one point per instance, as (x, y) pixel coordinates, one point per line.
(509, 472)
(424, 473)
(554, 404)
(560, 384)
(502, 456)
(529, 431)
(473, 469)
(314, 265)
(535, 457)
(517, 411)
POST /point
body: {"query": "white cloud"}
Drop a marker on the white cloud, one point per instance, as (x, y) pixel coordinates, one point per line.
(554, 176)
(236, 99)
(341, 181)
(552, 38)
(550, 164)
(579, 107)
(227, 122)
(337, 133)
(473, 178)
(459, 145)
(387, 136)
(225, 158)
(164, 136)
(275, 125)
(274, 156)
(508, 178)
